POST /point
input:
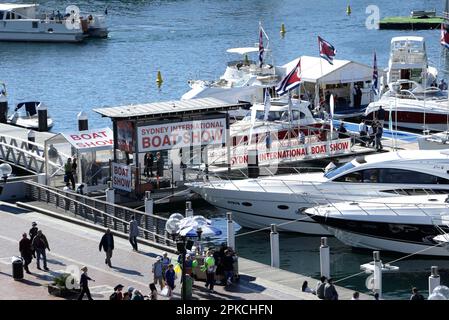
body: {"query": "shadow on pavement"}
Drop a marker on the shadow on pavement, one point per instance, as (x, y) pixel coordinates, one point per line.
(56, 262)
(127, 271)
(30, 283)
(13, 210)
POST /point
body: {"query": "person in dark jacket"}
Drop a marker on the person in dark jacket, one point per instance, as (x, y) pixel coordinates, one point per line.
(228, 266)
(330, 293)
(342, 132)
(133, 232)
(33, 231)
(25, 251)
(416, 295)
(107, 244)
(170, 279)
(40, 244)
(148, 162)
(84, 285)
(320, 287)
(160, 167)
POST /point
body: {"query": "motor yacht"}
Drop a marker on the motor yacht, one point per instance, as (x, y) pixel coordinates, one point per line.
(257, 203)
(25, 115)
(406, 224)
(24, 22)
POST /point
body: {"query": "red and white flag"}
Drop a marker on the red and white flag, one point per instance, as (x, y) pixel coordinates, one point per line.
(327, 51)
(444, 37)
(291, 81)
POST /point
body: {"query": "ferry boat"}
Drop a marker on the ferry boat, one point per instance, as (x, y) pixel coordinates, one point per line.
(257, 203)
(24, 22)
(411, 224)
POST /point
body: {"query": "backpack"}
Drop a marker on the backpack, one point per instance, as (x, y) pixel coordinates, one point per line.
(113, 296)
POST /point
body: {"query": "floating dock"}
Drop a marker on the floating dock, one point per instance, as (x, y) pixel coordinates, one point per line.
(411, 23)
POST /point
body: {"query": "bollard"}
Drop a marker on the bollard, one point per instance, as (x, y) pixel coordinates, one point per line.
(31, 138)
(83, 121)
(110, 193)
(3, 107)
(274, 244)
(42, 118)
(189, 210)
(377, 273)
(253, 163)
(434, 279)
(148, 203)
(325, 265)
(230, 231)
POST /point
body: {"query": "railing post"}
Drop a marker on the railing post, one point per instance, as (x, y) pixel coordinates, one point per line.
(189, 210)
(434, 279)
(149, 203)
(377, 273)
(274, 244)
(324, 258)
(230, 231)
(110, 193)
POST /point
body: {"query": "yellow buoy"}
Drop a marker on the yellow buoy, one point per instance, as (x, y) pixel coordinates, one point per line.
(348, 10)
(282, 29)
(159, 79)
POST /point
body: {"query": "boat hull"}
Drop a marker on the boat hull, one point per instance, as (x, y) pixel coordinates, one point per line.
(41, 36)
(416, 120)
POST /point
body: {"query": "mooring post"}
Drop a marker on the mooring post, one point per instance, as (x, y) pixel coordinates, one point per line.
(434, 279)
(325, 264)
(274, 244)
(189, 210)
(110, 193)
(42, 118)
(230, 231)
(83, 121)
(377, 273)
(148, 202)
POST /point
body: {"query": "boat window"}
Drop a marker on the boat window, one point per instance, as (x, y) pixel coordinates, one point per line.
(247, 204)
(371, 175)
(338, 170)
(1, 15)
(298, 115)
(35, 24)
(356, 176)
(282, 207)
(8, 15)
(272, 115)
(391, 175)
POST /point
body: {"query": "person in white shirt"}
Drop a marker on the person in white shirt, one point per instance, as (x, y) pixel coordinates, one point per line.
(363, 131)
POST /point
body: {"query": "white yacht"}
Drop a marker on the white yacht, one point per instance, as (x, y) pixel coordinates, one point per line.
(434, 141)
(243, 80)
(412, 107)
(408, 61)
(24, 22)
(257, 203)
(407, 224)
(25, 115)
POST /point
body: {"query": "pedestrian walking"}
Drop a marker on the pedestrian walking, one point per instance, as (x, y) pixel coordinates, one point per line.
(33, 231)
(381, 115)
(40, 244)
(148, 162)
(330, 293)
(68, 173)
(26, 252)
(84, 284)
(133, 232)
(228, 267)
(170, 276)
(416, 295)
(158, 274)
(363, 132)
(210, 268)
(107, 244)
(74, 170)
(320, 287)
(165, 263)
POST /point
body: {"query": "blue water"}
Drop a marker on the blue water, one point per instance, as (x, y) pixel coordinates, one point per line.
(188, 39)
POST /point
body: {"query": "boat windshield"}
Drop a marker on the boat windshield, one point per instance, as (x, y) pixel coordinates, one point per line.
(336, 171)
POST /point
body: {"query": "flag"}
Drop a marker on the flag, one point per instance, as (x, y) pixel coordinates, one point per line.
(261, 48)
(267, 105)
(375, 76)
(444, 37)
(291, 81)
(327, 51)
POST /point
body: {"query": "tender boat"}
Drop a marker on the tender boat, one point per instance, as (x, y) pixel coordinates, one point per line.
(257, 203)
(411, 224)
(25, 115)
(412, 108)
(23, 22)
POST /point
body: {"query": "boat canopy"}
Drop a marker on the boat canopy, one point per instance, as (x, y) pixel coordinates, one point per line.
(243, 51)
(14, 6)
(318, 70)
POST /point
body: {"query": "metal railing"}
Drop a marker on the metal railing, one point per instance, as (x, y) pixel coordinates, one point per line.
(108, 215)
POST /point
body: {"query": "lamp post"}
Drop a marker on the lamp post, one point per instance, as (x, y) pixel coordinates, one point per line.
(181, 244)
(5, 170)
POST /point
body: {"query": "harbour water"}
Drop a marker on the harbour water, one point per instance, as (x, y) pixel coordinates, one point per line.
(188, 40)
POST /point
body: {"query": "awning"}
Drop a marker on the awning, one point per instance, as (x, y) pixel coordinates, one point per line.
(97, 139)
(316, 69)
(243, 51)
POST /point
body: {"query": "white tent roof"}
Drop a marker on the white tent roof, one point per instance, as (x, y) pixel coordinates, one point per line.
(316, 69)
(12, 6)
(95, 139)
